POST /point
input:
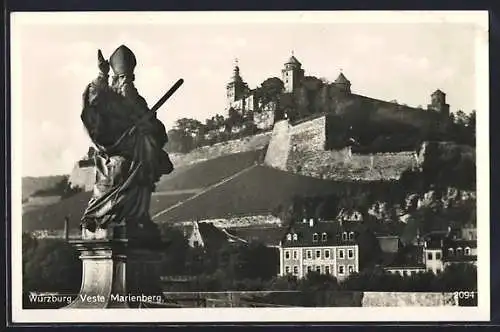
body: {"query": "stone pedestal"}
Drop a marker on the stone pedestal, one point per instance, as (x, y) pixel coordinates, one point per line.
(117, 273)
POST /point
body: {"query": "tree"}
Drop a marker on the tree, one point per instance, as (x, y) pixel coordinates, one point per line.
(174, 260)
(234, 118)
(50, 266)
(270, 90)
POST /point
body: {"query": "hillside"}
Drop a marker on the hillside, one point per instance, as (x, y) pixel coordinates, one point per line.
(184, 182)
(52, 217)
(31, 184)
(203, 174)
(258, 190)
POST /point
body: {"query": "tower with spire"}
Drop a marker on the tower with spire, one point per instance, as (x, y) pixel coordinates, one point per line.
(292, 74)
(236, 88)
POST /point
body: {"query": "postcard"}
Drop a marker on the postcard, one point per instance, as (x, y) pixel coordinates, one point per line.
(309, 166)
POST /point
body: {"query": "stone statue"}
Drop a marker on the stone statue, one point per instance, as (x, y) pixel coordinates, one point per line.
(130, 158)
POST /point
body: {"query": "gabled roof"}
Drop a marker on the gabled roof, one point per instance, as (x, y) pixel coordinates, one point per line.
(341, 79)
(214, 237)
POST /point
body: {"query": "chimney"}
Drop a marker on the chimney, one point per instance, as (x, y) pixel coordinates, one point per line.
(311, 222)
(66, 228)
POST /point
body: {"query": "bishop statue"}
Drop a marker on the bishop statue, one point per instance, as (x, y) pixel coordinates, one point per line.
(130, 157)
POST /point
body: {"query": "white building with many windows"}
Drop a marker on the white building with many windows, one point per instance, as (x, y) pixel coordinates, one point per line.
(321, 247)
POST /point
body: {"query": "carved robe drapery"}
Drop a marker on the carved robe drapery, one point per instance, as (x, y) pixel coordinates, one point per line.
(128, 162)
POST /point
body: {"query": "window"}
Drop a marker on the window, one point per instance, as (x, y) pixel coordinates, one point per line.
(295, 254)
(289, 237)
(467, 251)
(341, 269)
(344, 236)
(327, 253)
(287, 254)
(450, 251)
(350, 268)
(459, 251)
(295, 270)
(438, 255)
(315, 237)
(351, 236)
(295, 237)
(438, 270)
(309, 254)
(341, 253)
(196, 243)
(429, 256)
(318, 253)
(318, 269)
(323, 237)
(287, 269)
(309, 268)
(350, 253)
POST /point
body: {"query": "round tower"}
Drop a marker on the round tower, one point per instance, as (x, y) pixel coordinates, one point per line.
(292, 74)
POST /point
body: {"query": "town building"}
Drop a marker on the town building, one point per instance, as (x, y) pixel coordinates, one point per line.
(325, 248)
(206, 235)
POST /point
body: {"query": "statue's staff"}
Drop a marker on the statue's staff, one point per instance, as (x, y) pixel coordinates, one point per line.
(150, 114)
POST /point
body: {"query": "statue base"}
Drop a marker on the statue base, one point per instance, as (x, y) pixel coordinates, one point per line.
(118, 272)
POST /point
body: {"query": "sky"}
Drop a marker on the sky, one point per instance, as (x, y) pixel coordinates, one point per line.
(55, 59)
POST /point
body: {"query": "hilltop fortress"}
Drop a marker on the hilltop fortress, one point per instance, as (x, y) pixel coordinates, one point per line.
(319, 129)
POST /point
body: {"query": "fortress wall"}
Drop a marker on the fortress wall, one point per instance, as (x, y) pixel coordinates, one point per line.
(342, 165)
(203, 153)
(279, 146)
(309, 135)
(409, 299)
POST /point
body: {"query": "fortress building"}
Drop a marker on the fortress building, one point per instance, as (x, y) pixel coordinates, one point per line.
(243, 99)
(292, 74)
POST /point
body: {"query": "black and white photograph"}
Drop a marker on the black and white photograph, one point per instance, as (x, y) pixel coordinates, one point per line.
(250, 166)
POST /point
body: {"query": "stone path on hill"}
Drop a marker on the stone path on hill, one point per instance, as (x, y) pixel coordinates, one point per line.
(177, 192)
(203, 191)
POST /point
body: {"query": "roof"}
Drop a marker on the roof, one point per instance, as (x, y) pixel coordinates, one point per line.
(305, 235)
(438, 240)
(408, 256)
(438, 92)
(341, 79)
(293, 60)
(462, 258)
(269, 236)
(388, 243)
(214, 237)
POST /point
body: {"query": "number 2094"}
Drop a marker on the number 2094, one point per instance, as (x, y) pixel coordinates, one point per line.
(465, 294)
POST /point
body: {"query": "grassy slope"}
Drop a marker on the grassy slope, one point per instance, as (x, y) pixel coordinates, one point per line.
(259, 190)
(207, 173)
(32, 184)
(186, 177)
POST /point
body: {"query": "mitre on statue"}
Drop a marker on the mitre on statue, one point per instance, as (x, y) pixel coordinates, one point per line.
(122, 61)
